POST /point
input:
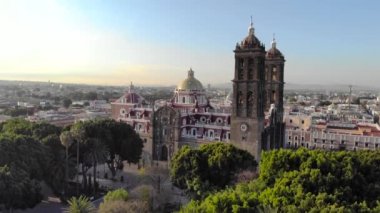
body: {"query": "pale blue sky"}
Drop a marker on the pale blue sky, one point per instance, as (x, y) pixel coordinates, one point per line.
(155, 42)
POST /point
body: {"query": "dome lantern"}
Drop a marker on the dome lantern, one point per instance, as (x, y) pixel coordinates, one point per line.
(190, 73)
(190, 83)
(274, 41)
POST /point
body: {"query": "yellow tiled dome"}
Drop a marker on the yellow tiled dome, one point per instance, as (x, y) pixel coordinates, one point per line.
(190, 83)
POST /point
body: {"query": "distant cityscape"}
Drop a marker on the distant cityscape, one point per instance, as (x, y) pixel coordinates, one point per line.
(176, 148)
(316, 119)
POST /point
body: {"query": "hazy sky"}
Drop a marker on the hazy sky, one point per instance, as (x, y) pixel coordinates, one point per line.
(155, 42)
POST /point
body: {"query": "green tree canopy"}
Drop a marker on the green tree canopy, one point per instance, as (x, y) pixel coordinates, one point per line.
(66, 102)
(17, 126)
(17, 190)
(304, 181)
(211, 167)
(33, 153)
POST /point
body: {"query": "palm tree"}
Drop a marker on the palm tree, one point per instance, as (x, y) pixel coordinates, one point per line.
(66, 140)
(80, 205)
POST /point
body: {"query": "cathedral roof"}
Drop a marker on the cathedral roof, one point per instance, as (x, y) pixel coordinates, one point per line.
(190, 83)
(251, 41)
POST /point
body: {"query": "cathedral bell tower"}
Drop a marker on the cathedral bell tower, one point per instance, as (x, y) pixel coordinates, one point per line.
(247, 119)
(274, 90)
(274, 77)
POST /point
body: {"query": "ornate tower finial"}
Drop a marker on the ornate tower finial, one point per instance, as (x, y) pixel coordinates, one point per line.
(131, 87)
(251, 30)
(274, 41)
(190, 73)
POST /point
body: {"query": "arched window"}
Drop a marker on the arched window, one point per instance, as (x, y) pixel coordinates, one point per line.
(241, 69)
(183, 100)
(194, 132)
(250, 74)
(211, 133)
(274, 74)
(228, 135)
(240, 98)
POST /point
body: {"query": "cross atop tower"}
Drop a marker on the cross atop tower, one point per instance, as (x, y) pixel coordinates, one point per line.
(274, 41)
(251, 30)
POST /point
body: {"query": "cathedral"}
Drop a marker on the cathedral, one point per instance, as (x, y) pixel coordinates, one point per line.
(253, 120)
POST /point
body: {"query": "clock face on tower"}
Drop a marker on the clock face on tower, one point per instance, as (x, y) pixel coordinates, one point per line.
(243, 127)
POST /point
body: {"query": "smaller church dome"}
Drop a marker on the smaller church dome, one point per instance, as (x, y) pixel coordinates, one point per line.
(190, 83)
(131, 97)
(274, 53)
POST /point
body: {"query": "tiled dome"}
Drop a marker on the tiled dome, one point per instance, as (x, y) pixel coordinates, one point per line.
(190, 83)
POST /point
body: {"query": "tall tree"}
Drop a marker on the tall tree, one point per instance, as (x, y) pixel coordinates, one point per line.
(66, 140)
(123, 144)
(108, 141)
(92, 139)
(98, 152)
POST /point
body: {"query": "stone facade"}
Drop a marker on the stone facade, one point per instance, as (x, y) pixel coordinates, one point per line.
(251, 118)
(166, 132)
